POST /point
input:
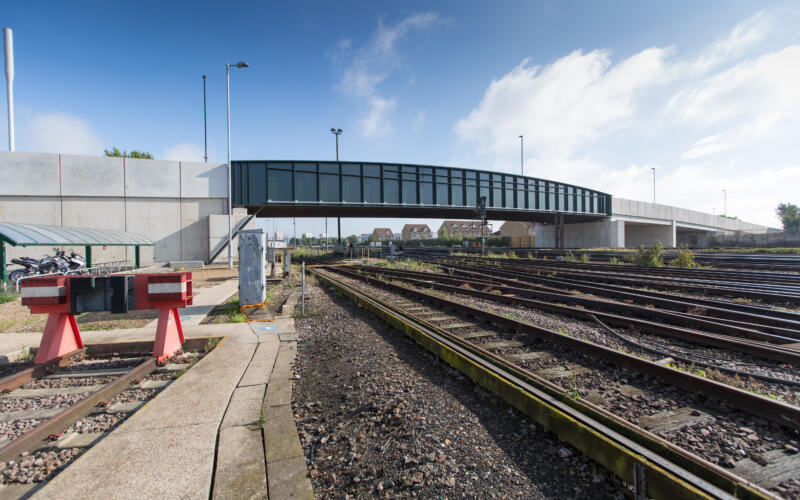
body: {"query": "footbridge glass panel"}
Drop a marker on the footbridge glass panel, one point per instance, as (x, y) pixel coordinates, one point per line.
(308, 188)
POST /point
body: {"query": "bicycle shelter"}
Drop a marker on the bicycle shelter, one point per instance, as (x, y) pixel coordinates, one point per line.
(16, 234)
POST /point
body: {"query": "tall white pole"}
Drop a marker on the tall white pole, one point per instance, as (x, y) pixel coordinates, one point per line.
(8, 40)
(521, 156)
(230, 235)
(654, 184)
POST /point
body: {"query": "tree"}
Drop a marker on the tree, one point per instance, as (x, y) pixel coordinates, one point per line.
(789, 215)
(352, 239)
(116, 153)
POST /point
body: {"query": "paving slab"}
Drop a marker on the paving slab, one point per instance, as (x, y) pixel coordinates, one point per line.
(280, 434)
(260, 368)
(245, 406)
(287, 479)
(240, 472)
(153, 463)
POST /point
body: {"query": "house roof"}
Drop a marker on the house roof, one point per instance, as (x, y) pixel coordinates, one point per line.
(382, 230)
(411, 227)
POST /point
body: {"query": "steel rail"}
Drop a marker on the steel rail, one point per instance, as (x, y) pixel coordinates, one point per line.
(758, 313)
(685, 320)
(768, 351)
(664, 284)
(611, 441)
(773, 410)
(22, 377)
(787, 328)
(37, 436)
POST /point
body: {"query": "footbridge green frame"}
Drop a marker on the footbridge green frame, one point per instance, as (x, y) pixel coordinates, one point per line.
(360, 189)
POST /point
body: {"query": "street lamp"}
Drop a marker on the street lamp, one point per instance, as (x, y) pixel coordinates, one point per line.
(724, 202)
(654, 184)
(239, 64)
(521, 156)
(337, 132)
(205, 123)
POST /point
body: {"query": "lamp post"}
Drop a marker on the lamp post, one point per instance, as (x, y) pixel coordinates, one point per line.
(724, 202)
(205, 123)
(521, 156)
(337, 132)
(240, 64)
(8, 43)
(654, 184)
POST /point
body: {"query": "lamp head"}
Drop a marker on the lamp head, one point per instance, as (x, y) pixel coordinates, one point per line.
(242, 64)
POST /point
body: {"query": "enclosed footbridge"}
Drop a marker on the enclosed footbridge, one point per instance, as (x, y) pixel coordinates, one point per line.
(358, 189)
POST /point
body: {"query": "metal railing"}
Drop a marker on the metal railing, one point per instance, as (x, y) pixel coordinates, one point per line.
(102, 268)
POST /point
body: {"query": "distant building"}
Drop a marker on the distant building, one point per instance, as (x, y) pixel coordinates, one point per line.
(519, 234)
(463, 228)
(416, 232)
(363, 237)
(323, 236)
(279, 236)
(307, 235)
(382, 234)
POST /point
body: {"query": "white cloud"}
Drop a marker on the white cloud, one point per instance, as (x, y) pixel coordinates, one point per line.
(706, 146)
(185, 151)
(563, 106)
(715, 121)
(60, 133)
(764, 91)
(745, 34)
(376, 121)
(365, 68)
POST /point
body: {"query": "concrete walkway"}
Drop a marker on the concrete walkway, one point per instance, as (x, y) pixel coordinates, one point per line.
(205, 428)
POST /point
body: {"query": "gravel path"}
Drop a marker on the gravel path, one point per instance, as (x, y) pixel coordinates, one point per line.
(377, 416)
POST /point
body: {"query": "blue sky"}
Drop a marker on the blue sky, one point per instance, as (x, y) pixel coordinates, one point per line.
(706, 92)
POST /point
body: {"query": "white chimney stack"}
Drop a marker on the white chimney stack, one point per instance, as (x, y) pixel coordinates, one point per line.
(8, 38)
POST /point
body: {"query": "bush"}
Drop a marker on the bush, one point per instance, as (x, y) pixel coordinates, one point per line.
(684, 259)
(650, 256)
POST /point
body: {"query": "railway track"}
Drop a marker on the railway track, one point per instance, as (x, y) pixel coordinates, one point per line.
(50, 414)
(674, 415)
(772, 288)
(720, 260)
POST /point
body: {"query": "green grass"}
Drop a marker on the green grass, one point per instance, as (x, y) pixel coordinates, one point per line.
(8, 296)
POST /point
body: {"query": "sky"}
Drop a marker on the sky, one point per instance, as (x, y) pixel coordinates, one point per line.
(707, 93)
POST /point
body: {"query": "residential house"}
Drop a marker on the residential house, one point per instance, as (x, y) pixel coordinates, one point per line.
(519, 234)
(416, 232)
(465, 228)
(382, 234)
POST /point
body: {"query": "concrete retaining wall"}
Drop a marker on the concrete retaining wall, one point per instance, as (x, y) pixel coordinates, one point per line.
(622, 209)
(167, 201)
(602, 234)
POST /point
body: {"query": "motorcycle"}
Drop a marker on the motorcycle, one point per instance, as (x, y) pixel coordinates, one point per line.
(75, 262)
(30, 268)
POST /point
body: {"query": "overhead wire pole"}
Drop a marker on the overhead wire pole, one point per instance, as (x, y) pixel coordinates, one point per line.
(205, 123)
(337, 132)
(240, 64)
(521, 156)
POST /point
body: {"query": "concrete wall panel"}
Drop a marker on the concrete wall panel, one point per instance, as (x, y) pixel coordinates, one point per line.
(194, 220)
(97, 213)
(204, 180)
(29, 210)
(152, 178)
(649, 234)
(160, 220)
(32, 174)
(91, 176)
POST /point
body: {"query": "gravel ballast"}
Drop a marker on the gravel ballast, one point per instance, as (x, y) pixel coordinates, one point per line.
(378, 416)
